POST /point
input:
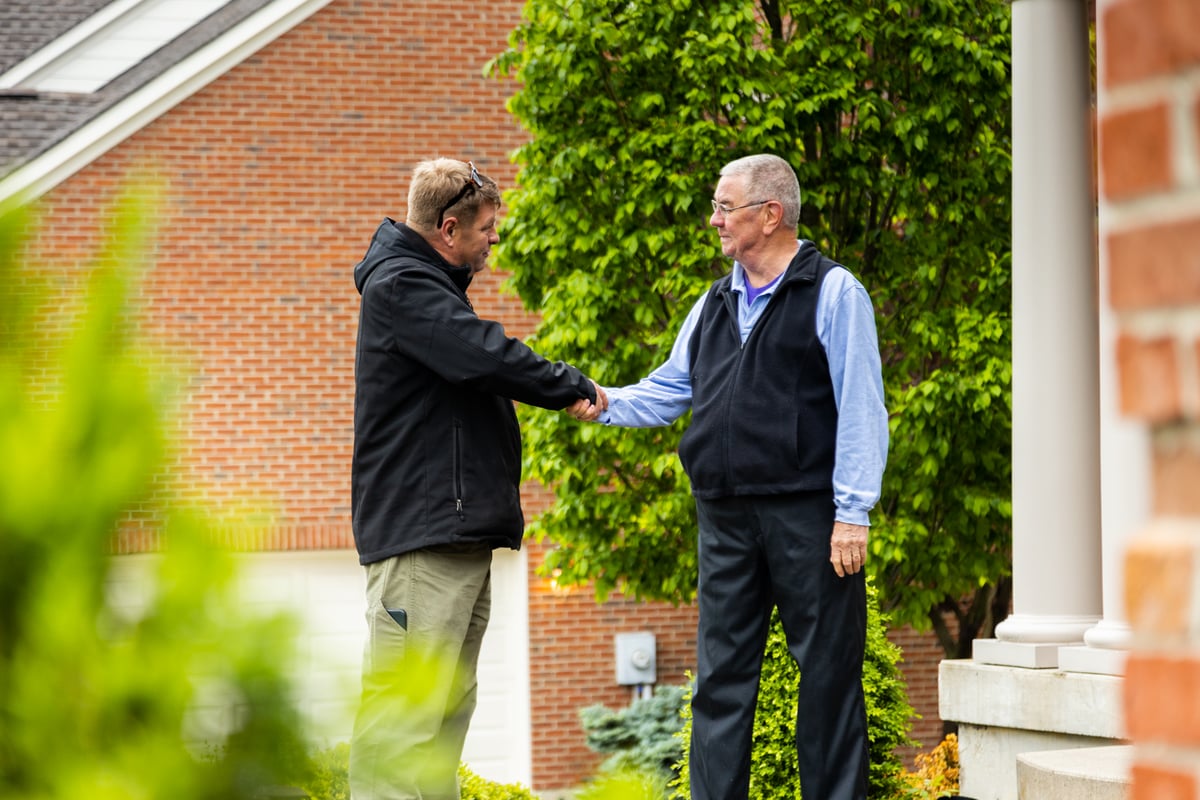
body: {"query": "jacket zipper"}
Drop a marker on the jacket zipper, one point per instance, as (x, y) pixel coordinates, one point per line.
(458, 499)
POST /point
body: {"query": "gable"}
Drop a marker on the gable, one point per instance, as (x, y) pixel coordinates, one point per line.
(29, 25)
(51, 133)
(106, 44)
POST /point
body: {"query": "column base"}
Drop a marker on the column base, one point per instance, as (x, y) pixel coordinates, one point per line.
(1005, 712)
(1094, 660)
(1029, 655)
(1047, 701)
(1110, 635)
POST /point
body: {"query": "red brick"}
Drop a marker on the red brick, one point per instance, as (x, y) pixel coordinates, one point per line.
(1161, 782)
(1148, 38)
(1148, 378)
(1162, 699)
(1135, 152)
(1156, 266)
(1135, 44)
(1180, 20)
(1177, 481)
(1159, 569)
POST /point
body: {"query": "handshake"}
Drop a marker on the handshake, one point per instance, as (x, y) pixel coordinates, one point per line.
(588, 411)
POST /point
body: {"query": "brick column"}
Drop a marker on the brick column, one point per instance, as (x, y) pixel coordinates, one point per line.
(1150, 230)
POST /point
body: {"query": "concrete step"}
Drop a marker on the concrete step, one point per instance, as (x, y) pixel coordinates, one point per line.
(1083, 773)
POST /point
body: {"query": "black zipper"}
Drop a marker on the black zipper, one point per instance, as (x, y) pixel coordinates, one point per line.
(458, 499)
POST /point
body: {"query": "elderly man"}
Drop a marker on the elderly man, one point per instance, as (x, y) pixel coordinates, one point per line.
(779, 362)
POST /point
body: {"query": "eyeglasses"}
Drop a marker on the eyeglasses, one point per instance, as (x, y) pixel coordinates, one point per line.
(725, 211)
(473, 181)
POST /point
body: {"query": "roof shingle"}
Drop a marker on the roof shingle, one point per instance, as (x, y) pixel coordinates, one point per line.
(32, 123)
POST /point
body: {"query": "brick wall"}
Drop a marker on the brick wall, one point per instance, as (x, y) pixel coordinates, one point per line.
(572, 663)
(1149, 160)
(277, 174)
(922, 654)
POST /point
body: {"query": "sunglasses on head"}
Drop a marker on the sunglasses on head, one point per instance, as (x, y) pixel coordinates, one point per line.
(473, 181)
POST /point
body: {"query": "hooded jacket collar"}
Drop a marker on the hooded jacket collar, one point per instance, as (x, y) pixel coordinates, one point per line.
(397, 240)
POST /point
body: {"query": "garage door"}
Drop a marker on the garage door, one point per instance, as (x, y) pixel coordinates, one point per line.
(324, 589)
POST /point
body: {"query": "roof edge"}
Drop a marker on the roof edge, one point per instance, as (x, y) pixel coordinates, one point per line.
(45, 55)
(39, 175)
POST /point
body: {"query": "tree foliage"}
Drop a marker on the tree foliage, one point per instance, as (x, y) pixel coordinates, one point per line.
(894, 116)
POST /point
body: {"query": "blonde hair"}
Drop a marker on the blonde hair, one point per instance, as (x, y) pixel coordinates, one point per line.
(769, 177)
(435, 183)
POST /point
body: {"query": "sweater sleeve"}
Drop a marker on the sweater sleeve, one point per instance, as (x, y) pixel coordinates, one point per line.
(846, 327)
(665, 394)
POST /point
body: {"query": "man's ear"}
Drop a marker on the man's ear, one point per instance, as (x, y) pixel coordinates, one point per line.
(447, 231)
(774, 218)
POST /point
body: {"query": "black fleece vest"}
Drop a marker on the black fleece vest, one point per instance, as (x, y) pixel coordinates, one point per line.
(764, 420)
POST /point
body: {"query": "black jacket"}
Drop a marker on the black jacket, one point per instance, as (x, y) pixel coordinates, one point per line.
(437, 449)
(764, 419)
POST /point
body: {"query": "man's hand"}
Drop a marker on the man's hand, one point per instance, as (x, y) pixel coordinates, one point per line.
(848, 548)
(586, 410)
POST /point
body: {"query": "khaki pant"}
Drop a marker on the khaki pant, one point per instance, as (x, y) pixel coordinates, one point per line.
(426, 615)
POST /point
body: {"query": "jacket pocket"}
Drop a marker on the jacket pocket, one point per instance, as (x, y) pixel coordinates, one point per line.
(458, 467)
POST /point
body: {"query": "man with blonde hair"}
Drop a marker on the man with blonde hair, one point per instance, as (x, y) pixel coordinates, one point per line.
(435, 476)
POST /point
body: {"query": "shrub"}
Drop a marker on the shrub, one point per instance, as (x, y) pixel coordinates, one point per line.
(97, 700)
(477, 788)
(936, 775)
(330, 780)
(774, 773)
(642, 737)
(626, 784)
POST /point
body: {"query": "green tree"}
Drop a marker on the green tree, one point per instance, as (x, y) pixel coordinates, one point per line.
(894, 116)
(97, 700)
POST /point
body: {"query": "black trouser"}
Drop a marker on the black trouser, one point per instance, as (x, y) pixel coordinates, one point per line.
(756, 553)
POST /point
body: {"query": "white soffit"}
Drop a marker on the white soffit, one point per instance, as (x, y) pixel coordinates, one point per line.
(107, 44)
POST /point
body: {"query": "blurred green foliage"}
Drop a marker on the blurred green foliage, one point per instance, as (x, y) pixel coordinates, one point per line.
(895, 117)
(624, 784)
(185, 696)
(474, 787)
(331, 780)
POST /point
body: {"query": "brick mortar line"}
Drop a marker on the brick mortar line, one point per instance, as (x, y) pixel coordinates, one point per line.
(1164, 208)
(1168, 88)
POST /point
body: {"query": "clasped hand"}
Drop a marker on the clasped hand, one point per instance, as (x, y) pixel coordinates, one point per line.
(588, 411)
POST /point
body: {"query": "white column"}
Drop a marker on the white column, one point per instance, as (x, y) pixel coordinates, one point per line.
(1056, 435)
(1124, 508)
(1124, 480)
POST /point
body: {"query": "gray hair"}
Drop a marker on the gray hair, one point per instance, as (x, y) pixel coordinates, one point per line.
(769, 177)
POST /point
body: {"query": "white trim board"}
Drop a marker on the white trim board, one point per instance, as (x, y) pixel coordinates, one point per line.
(107, 44)
(160, 95)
